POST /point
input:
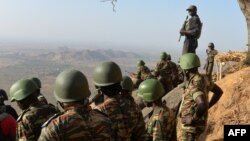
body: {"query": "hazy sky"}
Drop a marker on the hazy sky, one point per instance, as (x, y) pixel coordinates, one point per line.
(139, 24)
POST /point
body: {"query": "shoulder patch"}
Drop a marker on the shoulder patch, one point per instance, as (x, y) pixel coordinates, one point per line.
(50, 119)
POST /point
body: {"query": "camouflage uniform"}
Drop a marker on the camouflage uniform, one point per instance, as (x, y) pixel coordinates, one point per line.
(175, 73)
(77, 123)
(210, 62)
(160, 125)
(164, 72)
(126, 117)
(191, 40)
(197, 85)
(30, 121)
(133, 118)
(143, 73)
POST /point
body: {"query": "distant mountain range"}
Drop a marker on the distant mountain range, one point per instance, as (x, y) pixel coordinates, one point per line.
(90, 55)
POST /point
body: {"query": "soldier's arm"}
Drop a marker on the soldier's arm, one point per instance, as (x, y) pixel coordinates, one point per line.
(217, 93)
(201, 107)
(194, 27)
(200, 111)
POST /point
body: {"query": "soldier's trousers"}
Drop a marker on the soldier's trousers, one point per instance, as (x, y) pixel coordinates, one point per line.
(188, 136)
(209, 69)
(190, 45)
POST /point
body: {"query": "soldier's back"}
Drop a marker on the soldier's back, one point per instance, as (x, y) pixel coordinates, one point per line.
(31, 120)
(79, 124)
(111, 107)
(164, 68)
(133, 119)
(100, 125)
(67, 126)
(161, 124)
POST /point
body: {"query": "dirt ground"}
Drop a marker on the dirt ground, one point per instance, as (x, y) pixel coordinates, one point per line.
(232, 108)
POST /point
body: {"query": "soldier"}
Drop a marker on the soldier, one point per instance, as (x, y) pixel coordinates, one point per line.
(163, 72)
(191, 30)
(6, 108)
(34, 114)
(40, 96)
(177, 74)
(161, 122)
(127, 88)
(127, 122)
(78, 122)
(143, 72)
(211, 52)
(195, 104)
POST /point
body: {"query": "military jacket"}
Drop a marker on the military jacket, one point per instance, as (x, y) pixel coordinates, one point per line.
(193, 26)
(210, 55)
(111, 107)
(133, 118)
(160, 125)
(77, 123)
(164, 69)
(30, 121)
(197, 85)
(143, 73)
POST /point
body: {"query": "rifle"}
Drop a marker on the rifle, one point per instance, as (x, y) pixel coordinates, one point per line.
(183, 27)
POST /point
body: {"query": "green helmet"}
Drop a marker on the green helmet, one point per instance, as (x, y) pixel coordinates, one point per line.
(150, 90)
(127, 83)
(22, 89)
(140, 63)
(107, 73)
(71, 85)
(37, 81)
(192, 8)
(189, 61)
(211, 45)
(164, 55)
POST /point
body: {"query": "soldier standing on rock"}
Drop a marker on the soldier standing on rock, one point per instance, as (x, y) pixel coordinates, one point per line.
(191, 30)
(211, 52)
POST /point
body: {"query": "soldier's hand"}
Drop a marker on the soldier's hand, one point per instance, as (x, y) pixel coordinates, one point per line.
(187, 120)
(183, 32)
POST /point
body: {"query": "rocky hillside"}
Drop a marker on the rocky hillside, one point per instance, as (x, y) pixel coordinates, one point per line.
(233, 107)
